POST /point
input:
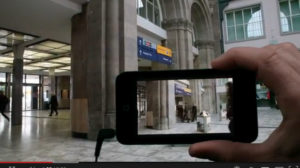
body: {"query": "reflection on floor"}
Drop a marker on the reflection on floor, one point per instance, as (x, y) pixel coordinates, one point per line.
(44, 138)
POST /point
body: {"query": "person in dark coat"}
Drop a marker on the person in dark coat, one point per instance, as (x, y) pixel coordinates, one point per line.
(3, 102)
(194, 113)
(229, 114)
(53, 104)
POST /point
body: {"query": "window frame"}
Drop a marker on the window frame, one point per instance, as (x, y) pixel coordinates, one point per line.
(154, 7)
(289, 18)
(225, 25)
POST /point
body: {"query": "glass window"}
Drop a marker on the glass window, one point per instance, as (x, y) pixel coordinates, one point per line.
(156, 17)
(149, 9)
(35, 79)
(2, 77)
(289, 15)
(244, 24)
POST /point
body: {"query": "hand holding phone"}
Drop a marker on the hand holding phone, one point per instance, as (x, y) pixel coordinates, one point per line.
(180, 107)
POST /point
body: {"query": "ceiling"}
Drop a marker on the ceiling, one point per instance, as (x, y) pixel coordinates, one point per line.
(44, 25)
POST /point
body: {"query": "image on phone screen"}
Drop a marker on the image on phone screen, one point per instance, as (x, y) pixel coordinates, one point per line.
(185, 106)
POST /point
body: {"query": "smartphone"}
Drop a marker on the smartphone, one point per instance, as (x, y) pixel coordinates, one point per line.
(186, 106)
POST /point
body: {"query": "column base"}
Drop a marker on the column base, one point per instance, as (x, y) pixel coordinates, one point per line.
(80, 135)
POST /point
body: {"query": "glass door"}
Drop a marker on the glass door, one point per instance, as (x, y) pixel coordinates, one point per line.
(27, 98)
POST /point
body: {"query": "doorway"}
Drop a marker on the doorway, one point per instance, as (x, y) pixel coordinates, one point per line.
(30, 97)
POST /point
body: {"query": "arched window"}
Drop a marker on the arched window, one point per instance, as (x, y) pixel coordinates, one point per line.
(255, 27)
(150, 10)
(285, 26)
(290, 15)
(244, 24)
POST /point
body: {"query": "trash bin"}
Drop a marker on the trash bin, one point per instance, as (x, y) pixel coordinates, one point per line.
(203, 122)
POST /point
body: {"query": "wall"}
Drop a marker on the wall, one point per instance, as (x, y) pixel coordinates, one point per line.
(271, 21)
(63, 91)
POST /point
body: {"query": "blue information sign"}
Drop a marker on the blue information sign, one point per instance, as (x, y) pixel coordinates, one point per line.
(148, 50)
(180, 91)
(147, 54)
(164, 59)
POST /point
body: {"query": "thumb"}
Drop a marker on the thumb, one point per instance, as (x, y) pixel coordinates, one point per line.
(227, 151)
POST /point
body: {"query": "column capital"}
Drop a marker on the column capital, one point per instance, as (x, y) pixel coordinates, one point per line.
(180, 23)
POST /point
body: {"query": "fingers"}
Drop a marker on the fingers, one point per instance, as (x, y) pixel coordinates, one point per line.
(251, 57)
(276, 65)
(227, 151)
(243, 57)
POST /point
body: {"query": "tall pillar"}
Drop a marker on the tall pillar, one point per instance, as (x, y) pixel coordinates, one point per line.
(111, 49)
(206, 55)
(52, 80)
(17, 90)
(196, 94)
(41, 93)
(157, 96)
(7, 92)
(111, 59)
(95, 77)
(79, 63)
(179, 33)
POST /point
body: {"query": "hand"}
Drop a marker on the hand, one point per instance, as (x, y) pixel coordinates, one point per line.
(278, 67)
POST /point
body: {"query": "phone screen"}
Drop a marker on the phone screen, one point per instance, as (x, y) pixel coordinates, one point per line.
(185, 106)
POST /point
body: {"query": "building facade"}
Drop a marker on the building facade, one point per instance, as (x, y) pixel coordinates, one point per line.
(257, 23)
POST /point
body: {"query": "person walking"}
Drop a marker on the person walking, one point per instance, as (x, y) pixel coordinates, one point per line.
(229, 110)
(3, 102)
(53, 104)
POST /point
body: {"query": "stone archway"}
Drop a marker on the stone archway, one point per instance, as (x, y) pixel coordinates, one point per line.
(202, 30)
(203, 34)
(177, 23)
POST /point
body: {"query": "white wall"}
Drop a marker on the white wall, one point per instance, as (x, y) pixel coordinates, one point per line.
(271, 21)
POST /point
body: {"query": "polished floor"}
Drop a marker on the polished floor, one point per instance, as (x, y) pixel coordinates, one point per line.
(44, 138)
(215, 126)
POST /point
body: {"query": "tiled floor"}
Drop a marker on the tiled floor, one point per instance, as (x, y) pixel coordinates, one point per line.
(44, 138)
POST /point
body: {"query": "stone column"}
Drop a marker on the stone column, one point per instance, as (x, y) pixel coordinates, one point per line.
(52, 80)
(111, 48)
(128, 36)
(79, 57)
(112, 59)
(17, 90)
(8, 94)
(95, 78)
(160, 101)
(179, 33)
(41, 93)
(203, 61)
(196, 94)
(157, 96)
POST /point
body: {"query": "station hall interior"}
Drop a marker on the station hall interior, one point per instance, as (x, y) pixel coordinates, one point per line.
(75, 49)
